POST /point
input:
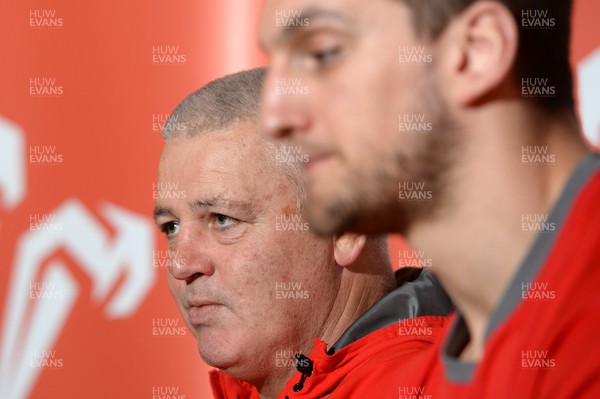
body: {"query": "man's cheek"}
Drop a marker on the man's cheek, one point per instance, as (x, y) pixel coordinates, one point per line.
(173, 288)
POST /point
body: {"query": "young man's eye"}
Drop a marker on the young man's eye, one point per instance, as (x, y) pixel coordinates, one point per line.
(320, 58)
(170, 229)
(326, 56)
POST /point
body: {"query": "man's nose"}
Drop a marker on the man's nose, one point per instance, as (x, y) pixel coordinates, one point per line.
(189, 256)
(283, 113)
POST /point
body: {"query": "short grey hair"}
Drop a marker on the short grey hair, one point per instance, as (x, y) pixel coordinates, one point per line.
(224, 103)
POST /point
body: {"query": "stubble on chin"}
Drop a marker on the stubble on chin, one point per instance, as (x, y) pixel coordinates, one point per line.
(368, 201)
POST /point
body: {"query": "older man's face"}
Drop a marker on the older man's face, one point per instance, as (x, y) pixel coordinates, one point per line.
(367, 113)
(248, 278)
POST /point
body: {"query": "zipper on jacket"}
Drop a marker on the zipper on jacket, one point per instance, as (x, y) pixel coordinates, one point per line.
(305, 366)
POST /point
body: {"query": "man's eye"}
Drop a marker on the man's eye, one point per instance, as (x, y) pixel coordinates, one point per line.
(170, 229)
(222, 221)
(326, 56)
(320, 58)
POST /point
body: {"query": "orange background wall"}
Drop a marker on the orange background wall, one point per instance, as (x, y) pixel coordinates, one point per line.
(109, 90)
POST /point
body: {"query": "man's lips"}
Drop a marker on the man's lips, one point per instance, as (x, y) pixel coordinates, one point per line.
(203, 315)
(199, 302)
(202, 311)
(314, 160)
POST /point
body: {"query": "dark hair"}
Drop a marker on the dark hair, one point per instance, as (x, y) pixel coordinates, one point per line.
(543, 50)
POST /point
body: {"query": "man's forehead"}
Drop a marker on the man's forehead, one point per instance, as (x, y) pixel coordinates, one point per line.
(281, 19)
(235, 142)
(232, 160)
(213, 163)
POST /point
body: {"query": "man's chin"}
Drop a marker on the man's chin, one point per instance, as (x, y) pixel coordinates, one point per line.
(321, 223)
(234, 364)
(215, 347)
(217, 357)
(338, 218)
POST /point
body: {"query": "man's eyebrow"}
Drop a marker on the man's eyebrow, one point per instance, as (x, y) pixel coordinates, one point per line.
(312, 14)
(315, 13)
(162, 211)
(221, 201)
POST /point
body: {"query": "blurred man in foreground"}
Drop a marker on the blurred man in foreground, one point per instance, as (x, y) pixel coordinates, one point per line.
(255, 287)
(452, 122)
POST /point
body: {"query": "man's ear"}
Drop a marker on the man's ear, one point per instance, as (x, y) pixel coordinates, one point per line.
(480, 51)
(347, 248)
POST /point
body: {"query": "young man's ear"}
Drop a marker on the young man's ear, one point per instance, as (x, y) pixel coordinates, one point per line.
(347, 248)
(478, 51)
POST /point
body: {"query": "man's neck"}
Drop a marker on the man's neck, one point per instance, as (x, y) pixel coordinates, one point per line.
(274, 384)
(361, 286)
(478, 242)
(358, 292)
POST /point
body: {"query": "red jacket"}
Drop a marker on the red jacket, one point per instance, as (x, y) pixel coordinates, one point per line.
(364, 368)
(542, 338)
(367, 359)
